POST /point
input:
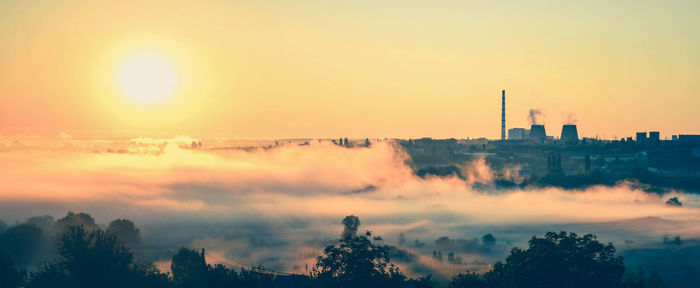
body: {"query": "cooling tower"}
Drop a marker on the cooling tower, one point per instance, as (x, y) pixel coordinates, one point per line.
(537, 133)
(569, 133)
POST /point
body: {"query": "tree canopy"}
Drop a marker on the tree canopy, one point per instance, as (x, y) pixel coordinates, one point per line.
(357, 260)
(95, 258)
(126, 231)
(10, 276)
(559, 260)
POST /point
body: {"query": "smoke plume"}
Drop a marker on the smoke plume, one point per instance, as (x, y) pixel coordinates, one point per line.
(534, 117)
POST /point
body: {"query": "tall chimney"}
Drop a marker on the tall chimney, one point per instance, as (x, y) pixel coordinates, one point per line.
(503, 115)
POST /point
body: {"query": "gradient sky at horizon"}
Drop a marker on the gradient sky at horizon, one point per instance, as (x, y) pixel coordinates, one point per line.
(279, 69)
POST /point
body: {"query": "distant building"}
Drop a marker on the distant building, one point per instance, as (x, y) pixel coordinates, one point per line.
(641, 138)
(689, 139)
(518, 134)
(569, 134)
(654, 138)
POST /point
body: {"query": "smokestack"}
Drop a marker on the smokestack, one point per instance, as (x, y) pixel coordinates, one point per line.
(503, 115)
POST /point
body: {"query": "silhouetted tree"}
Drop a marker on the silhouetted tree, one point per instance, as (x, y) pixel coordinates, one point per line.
(468, 280)
(641, 280)
(367, 143)
(454, 259)
(442, 171)
(488, 239)
(189, 268)
(10, 276)
(444, 242)
(73, 219)
(357, 261)
(422, 282)
(51, 275)
(350, 225)
(559, 260)
(45, 223)
(126, 231)
(23, 243)
(673, 201)
(437, 255)
(219, 276)
(95, 258)
(418, 244)
(346, 143)
(148, 275)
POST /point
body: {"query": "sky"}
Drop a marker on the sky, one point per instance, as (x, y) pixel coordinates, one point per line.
(287, 69)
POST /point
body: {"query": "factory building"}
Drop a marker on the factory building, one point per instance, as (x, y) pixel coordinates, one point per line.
(518, 134)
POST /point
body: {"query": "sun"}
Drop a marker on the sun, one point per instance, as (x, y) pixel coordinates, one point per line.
(147, 78)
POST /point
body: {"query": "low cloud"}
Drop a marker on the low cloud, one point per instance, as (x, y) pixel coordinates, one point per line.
(292, 197)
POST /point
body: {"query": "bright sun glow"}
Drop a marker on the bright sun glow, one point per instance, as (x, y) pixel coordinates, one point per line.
(147, 78)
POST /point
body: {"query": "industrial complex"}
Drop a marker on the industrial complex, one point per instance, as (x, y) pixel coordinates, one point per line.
(537, 134)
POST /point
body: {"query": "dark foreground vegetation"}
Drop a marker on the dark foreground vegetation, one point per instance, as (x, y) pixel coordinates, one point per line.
(88, 256)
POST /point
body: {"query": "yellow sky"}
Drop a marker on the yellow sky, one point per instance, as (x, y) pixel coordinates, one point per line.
(276, 69)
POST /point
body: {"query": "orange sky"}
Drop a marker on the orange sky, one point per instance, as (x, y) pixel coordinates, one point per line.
(276, 69)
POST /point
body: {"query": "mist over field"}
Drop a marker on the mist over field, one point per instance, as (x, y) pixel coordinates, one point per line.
(279, 205)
